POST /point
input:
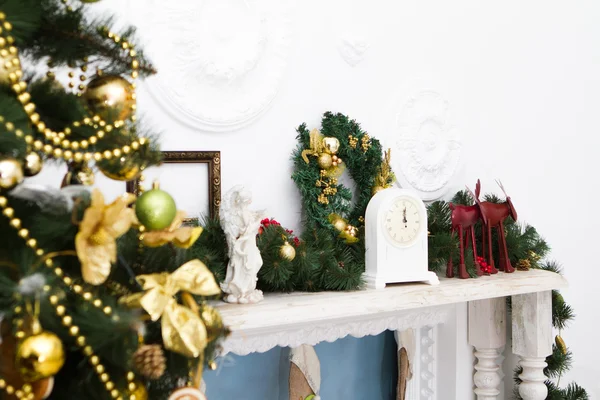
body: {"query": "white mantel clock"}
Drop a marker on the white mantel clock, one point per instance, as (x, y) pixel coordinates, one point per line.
(396, 239)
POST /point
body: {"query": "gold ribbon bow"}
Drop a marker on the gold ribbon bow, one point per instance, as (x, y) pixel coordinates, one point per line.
(182, 329)
(316, 145)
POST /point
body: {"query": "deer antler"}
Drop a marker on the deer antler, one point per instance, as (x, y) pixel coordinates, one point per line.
(476, 198)
(477, 189)
(501, 187)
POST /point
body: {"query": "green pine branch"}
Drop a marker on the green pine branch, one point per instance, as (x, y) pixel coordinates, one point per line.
(558, 363)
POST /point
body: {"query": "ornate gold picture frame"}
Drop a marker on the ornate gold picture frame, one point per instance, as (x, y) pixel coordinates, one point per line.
(213, 161)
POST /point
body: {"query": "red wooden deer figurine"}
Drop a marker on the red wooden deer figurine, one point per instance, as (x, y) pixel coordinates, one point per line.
(493, 216)
(464, 219)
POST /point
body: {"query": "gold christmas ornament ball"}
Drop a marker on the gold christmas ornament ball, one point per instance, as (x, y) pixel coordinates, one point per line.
(325, 160)
(120, 169)
(33, 164)
(339, 224)
(331, 144)
(212, 321)
(287, 251)
(111, 97)
(40, 356)
(11, 173)
(139, 392)
(8, 371)
(155, 209)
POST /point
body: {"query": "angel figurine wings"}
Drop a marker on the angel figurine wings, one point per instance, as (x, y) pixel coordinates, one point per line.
(241, 225)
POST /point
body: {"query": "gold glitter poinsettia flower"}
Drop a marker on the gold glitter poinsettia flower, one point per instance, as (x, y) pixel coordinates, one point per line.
(96, 241)
(183, 237)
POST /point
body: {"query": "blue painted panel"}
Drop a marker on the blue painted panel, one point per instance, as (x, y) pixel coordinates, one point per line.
(351, 369)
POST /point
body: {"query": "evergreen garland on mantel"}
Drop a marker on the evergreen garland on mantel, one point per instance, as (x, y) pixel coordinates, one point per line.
(527, 249)
(326, 261)
(326, 258)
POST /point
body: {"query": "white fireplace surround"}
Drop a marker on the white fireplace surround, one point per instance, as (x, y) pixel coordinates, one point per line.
(310, 318)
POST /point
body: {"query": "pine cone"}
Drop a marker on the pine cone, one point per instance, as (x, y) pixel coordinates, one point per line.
(524, 265)
(149, 360)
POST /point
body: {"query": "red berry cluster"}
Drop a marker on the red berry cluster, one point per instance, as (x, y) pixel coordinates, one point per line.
(484, 266)
(268, 222)
(265, 223)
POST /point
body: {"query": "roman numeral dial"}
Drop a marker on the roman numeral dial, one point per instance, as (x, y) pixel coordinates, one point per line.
(403, 220)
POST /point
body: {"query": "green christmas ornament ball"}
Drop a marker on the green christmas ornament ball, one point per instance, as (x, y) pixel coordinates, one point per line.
(155, 209)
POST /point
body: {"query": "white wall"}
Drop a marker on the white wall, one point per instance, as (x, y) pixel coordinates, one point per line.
(523, 82)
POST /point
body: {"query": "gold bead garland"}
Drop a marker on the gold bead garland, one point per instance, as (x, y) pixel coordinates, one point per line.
(93, 359)
(15, 223)
(22, 393)
(125, 45)
(69, 155)
(68, 150)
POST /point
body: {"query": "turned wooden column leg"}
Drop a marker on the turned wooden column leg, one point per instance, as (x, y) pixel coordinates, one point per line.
(532, 341)
(487, 333)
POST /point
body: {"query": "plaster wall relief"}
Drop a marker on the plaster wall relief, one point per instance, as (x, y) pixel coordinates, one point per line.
(350, 28)
(427, 144)
(352, 47)
(221, 62)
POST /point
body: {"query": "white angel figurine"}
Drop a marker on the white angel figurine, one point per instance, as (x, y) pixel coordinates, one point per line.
(241, 225)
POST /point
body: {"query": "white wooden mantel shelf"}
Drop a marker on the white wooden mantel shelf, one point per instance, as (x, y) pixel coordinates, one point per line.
(309, 318)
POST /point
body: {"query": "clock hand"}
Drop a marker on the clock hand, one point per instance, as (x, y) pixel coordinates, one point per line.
(404, 217)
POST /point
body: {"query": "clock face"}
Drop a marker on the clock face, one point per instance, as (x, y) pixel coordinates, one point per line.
(403, 221)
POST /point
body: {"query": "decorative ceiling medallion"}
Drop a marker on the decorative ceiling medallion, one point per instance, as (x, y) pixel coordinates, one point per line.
(427, 145)
(220, 62)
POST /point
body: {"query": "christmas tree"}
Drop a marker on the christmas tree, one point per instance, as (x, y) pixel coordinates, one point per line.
(98, 299)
